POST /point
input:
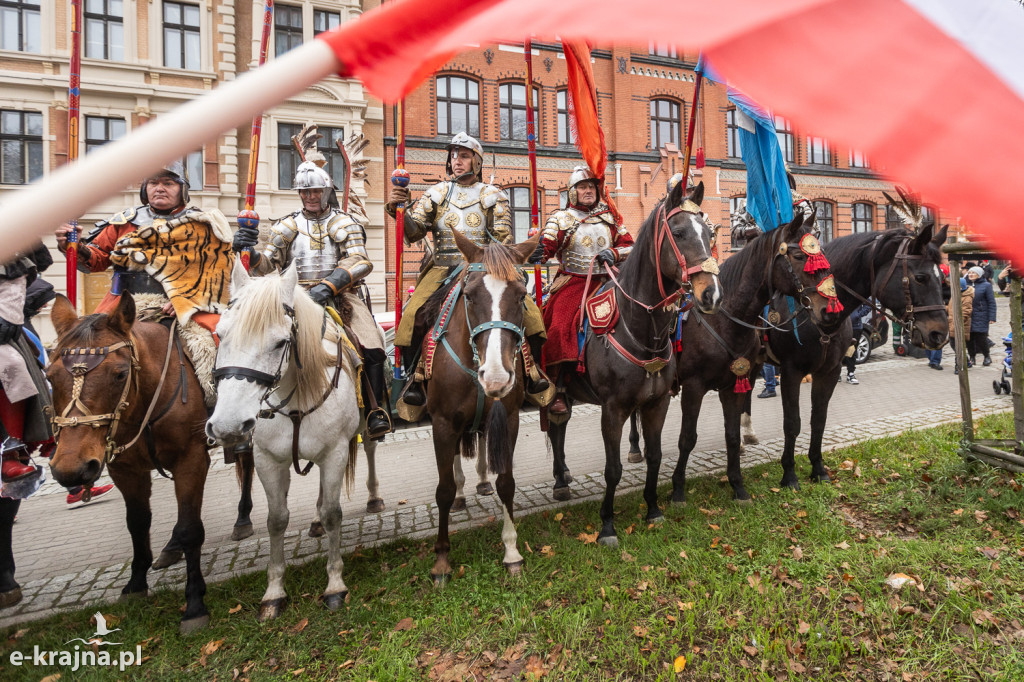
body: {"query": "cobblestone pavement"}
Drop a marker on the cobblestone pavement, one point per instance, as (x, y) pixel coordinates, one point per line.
(69, 558)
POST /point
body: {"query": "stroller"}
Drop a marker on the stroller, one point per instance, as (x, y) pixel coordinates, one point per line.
(1002, 385)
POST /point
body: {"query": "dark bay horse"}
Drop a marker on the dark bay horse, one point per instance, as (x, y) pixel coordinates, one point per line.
(477, 381)
(717, 349)
(125, 397)
(632, 367)
(898, 268)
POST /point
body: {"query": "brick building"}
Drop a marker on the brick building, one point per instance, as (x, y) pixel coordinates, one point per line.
(644, 102)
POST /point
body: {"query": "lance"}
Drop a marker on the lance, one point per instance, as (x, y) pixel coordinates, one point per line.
(74, 88)
(531, 142)
(689, 130)
(399, 178)
(248, 217)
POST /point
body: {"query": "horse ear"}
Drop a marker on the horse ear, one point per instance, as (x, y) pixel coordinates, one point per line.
(471, 251)
(920, 242)
(525, 249)
(289, 280)
(794, 227)
(239, 276)
(122, 317)
(63, 315)
(696, 193)
(940, 237)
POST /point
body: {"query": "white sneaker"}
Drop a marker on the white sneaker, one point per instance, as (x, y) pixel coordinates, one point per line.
(851, 379)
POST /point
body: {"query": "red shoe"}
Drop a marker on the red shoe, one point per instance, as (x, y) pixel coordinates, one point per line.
(13, 470)
(76, 498)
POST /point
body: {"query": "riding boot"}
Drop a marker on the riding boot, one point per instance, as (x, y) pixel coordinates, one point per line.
(536, 382)
(14, 458)
(414, 395)
(378, 420)
(560, 405)
(10, 591)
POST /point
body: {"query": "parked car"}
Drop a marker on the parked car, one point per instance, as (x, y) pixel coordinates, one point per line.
(868, 340)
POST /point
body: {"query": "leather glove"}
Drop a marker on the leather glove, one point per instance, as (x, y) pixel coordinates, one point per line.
(8, 331)
(538, 254)
(321, 294)
(606, 257)
(245, 239)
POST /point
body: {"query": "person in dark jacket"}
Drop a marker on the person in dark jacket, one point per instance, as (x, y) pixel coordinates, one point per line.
(850, 359)
(982, 316)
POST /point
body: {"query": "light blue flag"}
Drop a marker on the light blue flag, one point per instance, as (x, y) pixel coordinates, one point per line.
(769, 200)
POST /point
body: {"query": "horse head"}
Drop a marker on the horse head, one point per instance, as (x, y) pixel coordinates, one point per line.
(909, 283)
(683, 244)
(493, 290)
(269, 323)
(92, 372)
(800, 270)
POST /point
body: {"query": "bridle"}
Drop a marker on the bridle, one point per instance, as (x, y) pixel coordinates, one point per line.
(78, 362)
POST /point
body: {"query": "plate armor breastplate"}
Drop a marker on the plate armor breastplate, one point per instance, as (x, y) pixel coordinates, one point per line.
(315, 254)
(463, 211)
(589, 238)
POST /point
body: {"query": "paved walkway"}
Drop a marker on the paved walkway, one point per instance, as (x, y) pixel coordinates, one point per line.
(71, 558)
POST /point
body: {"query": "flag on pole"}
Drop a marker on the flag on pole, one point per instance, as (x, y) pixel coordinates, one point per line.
(769, 200)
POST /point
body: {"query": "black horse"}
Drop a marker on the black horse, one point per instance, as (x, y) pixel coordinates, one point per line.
(632, 366)
(898, 268)
(719, 352)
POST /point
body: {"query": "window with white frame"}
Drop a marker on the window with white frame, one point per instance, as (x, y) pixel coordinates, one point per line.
(21, 147)
(787, 142)
(512, 105)
(519, 203)
(818, 152)
(458, 106)
(565, 135)
(104, 29)
(19, 25)
(824, 214)
(287, 28)
(732, 132)
(858, 159)
(324, 21)
(665, 123)
(181, 36)
(100, 130)
(194, 170)
(863, 217)
(288, 157)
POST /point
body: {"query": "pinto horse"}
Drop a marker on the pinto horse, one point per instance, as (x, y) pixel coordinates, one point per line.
(477, 380)
(283, 377)
(632, 366)
(115, 407)
(717, 350)
(899, 269)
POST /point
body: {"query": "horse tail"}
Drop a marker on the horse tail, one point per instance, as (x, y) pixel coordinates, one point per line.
(350, 465)
(499, 452)
(467, 446)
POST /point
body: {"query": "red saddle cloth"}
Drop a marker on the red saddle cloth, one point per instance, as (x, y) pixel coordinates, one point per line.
(602, 311)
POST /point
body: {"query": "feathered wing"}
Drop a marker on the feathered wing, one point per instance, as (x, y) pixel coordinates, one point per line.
(306, 140)
(357, 168)
(907, 207)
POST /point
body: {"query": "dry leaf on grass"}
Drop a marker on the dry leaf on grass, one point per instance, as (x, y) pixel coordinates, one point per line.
(896, 581)
(679, 665)
(588, 538)
(842, 545)
(803, 628)
(235, 609)
(405, 624)
(299, 627)
(51, 678)
(751, 650)
(211, 647)
(988, 552)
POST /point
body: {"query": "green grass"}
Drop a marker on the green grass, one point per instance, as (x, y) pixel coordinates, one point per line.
(789, 587)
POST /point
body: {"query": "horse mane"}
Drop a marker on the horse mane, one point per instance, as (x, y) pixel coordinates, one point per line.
(259, 307)
(629, 269)
(500, 263)
(731, 271)
(84, 332)
(851, 246)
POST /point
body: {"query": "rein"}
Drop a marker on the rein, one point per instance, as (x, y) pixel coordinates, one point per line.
(78, 362)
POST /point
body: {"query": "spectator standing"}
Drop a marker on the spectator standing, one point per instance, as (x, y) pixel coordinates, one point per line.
(850, 359)
(982, 315)
(770, 382)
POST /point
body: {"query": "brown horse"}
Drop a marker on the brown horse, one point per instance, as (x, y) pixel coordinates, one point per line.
(477, 381)
(125, 397)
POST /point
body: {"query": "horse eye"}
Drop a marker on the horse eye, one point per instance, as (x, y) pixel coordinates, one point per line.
(280, 344)
(921, 278)
(121, 375)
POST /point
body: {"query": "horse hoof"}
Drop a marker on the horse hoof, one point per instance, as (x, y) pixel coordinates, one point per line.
(515, 568)
(375, 506)
(562, 494)
(567, 476)
(316, 529)
(635, 457)
(821, 478)
(193, 624)
(440, 579)
(270, 610)
(241, 532)
(795, 485)
(609, 541)
(10, 597)
(751, 439)
(657, 520)
(167, 559)
(459, 504)
(333, 602)
(484, 488)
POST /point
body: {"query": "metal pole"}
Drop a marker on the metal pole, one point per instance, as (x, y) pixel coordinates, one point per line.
(531, 143)
(399, 178)
(74, 90)
(248, 217)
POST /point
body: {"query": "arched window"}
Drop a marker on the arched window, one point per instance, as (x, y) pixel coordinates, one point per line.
(458, 106)
(892, 219)
(665, 123)
(823, 216)
(863, 218)
(512, 103)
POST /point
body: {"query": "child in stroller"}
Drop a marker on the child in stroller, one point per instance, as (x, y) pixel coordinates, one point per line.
(1002, 385)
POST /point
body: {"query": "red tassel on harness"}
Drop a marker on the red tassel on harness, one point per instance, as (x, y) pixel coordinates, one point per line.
(700, 158)
(834, 306)
(677, 345)
(580, 367)
(816, 262)
(742, 385)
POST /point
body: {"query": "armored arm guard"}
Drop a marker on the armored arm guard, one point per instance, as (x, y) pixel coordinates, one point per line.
(419, 220)
(349, 271)
(549, 236)
(275, 253)
(499, 218)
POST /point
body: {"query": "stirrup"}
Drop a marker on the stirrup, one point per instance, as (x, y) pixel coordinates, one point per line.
(415, 395)
(378, 424)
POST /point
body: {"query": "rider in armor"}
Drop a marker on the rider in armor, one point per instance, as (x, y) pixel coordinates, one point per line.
(584, 236)
(480, 212)
(328, 248)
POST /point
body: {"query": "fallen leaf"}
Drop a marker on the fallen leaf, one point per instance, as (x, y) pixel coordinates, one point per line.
(404, 624)
(682, 555)
(988, 552)
(713, 526)
(20, 633)
(626, 556)
(751, 650)
(775, 490)
(958, 512)
(588, 538)
(684, 605)
(801, 514)
(803, 628)
(559, 516)
(679, 665)
(235, 609)
(984, 618)
(347, 664)
(796, 666)
(798, 553)
(842, 545)
(299, 627)
(896, 581)
(640, 631)
(980, 516)
(403, 502)
(211, 647)
(298, 671)
(547, 551)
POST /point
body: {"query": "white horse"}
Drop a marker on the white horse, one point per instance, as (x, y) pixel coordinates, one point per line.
(280, 379)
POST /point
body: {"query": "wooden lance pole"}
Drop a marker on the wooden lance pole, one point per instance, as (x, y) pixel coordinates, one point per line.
(399, 178)
(74, 89)
(531, 142)
(248, 217)
(689, 131)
